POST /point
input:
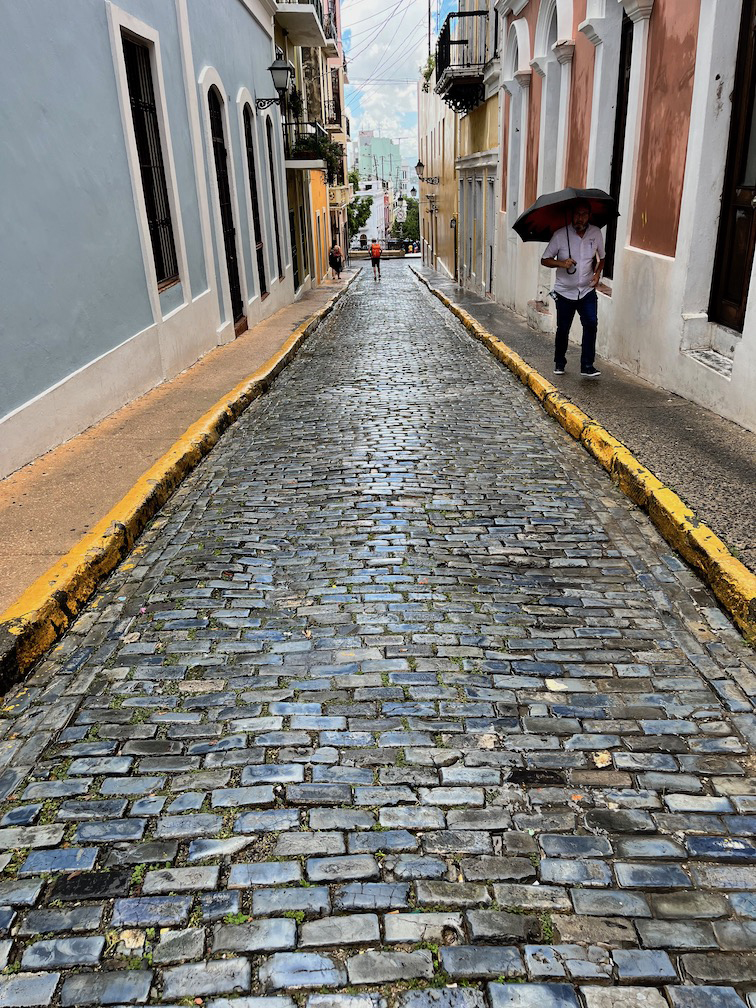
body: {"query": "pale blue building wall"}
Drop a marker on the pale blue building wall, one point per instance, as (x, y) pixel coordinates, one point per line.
(72, 277)
(231, 42)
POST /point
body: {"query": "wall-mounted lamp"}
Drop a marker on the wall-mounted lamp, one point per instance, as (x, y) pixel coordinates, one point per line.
(453, 223)
(282, 73)
(419, 169)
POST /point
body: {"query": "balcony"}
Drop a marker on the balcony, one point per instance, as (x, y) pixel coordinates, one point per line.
(461, 60)
(304, 145)
(331, 33)
(335, 122)
(303, 22)
(340, 196)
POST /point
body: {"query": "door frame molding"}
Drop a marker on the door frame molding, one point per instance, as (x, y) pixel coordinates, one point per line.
(729, 165)
(208, 77)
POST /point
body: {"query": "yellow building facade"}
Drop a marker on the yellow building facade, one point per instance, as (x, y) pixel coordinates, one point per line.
(458, 122)
(315, 133)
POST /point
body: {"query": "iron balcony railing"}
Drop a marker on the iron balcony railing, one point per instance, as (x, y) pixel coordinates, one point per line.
(462, 42)
(304, 141)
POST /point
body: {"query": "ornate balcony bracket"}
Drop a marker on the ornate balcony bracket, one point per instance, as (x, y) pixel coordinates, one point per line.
(466, 98)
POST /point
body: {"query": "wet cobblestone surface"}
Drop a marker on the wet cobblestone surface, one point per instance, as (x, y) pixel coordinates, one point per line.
(398, 704)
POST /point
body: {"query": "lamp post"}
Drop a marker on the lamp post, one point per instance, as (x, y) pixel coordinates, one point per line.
(430, 180)
(282, 73)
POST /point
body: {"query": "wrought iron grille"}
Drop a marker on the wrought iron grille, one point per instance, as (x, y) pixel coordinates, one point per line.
(149, 150)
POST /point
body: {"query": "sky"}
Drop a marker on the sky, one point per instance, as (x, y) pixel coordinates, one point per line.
(386, 44)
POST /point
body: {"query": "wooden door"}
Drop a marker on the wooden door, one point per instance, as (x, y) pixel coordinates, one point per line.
(737, 222)
(224, 198)
(256, 222)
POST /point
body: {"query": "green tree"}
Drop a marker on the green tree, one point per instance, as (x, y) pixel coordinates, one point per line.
(358, 211)
(410, 230)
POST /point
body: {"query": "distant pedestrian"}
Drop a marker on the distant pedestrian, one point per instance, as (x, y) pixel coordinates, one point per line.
(577, 253)
(335, 260)
(375, 258)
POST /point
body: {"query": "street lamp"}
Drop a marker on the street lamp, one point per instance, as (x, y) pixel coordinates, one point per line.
(431, 180)
(282, 73)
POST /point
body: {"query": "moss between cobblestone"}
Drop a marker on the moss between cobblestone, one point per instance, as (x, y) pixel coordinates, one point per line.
(31, 626)
(732, 583)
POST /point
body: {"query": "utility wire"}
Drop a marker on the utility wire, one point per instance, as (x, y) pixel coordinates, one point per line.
(402, 54)
(378, 30)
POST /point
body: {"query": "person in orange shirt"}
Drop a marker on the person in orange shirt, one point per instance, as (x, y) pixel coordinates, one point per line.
(375, 258)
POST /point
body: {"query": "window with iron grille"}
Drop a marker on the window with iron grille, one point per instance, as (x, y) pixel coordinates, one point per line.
(147, 134)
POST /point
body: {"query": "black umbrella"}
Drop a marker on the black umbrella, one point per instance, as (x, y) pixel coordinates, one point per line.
(554, 210)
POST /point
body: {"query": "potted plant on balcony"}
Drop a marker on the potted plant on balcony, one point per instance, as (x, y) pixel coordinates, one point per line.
(296, 105)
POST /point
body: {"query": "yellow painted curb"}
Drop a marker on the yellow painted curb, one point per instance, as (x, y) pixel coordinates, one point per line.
(30, 626)
(730, 580)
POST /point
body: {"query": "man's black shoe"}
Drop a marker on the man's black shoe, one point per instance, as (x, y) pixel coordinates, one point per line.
(590, 372)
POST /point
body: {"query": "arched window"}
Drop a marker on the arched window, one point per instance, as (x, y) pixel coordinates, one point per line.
(274, 194)
(256, 224)
(220, 154)
(144, 113)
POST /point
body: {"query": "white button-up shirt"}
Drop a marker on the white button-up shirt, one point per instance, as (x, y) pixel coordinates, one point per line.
(585, 251)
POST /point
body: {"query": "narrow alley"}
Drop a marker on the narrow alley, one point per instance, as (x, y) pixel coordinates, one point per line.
(397, 702)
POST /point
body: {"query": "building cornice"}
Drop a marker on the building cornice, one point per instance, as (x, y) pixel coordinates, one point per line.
(481, 159)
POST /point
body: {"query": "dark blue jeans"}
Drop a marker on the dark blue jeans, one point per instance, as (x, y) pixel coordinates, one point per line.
(587, 309)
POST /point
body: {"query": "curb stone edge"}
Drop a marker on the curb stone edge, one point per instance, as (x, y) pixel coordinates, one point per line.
(730, 580)
(32, 624)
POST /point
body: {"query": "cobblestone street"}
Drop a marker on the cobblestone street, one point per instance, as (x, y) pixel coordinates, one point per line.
(397, 704)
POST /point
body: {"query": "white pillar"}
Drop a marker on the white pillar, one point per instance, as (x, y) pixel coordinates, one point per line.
(523, 79)
(605, 32)
(639, 11)
(564, 50)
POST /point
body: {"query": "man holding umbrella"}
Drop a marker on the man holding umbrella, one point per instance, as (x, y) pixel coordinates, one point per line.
(576, 251)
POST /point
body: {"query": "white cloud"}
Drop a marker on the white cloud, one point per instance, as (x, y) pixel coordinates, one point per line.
(388, 43)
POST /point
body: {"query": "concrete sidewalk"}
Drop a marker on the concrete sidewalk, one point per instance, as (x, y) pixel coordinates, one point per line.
(50, 504)
(708, 461)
